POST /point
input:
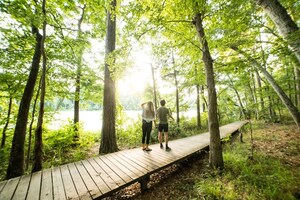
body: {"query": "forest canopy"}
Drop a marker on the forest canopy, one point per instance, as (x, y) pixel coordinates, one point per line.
(71, 55)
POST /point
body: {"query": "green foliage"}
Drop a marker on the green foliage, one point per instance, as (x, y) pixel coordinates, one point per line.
(60, 146)
(244, 178)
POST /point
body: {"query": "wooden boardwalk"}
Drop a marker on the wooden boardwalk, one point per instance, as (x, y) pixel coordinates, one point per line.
(103, 175)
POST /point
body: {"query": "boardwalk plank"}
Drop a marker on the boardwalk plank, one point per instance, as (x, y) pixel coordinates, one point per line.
(2, 184)
(22, 188)
(133, 165)
(79, 184)
(96, 177)
(9, 188)
(122, 166)
(140, 160)
(46, 185)
(58, 187)
(115, 177)
(70, 190)
(89, 182)
(116, 169)
(35, 185)
(135, 161)
(100, 172)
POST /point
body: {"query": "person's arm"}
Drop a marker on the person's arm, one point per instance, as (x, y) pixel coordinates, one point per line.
(169, 114)
(171, 117)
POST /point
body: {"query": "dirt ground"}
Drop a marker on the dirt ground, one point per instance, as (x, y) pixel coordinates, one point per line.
(177, 181)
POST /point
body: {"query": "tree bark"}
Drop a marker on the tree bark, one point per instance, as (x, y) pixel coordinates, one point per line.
(282, 95)
(199, 126)
(16, 161)
(108, 134)
(38, 144)
(215, 148)
(154, 87)
(297, 85)
(6, 123)
(78, 80)
(284, 23)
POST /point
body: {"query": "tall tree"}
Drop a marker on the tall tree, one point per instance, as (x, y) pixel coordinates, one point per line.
(282, 95)
(78, 76)
(38, 145)
(284, 23)
(16, 161)
(108, 133)
(215, 148)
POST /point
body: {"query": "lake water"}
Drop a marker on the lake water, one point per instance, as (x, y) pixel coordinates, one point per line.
(92, 120)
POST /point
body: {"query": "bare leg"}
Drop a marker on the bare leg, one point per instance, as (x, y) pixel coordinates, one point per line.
(160, 137)
(166, 138)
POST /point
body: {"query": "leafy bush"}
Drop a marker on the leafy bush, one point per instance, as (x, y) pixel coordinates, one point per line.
(61, 146)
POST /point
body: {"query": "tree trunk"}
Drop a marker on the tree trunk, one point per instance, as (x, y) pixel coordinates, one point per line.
(243, 111)
(198, 107)
(16, 161)
(154, 87)
(177, 99)
(108, 134)
(6, 123)
(260, 89)
(297, 85)
(31, 125)
(254, 95)
(284, 23)
(78, 80)
(38, 144)
(284, 98)
(215, 148)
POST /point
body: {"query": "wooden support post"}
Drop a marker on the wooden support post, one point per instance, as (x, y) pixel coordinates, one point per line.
(144, 183)
(241, 137)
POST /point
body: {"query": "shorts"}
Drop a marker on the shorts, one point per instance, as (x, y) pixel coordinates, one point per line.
(163, 127)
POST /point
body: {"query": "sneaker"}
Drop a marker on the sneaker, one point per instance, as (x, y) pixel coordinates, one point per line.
(148, 149)
(168, 148)
(161, 145)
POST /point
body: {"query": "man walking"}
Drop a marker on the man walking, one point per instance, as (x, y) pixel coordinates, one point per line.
(163, 114)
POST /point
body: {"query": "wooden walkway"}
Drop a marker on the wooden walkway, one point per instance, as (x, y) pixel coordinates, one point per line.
(101, 176)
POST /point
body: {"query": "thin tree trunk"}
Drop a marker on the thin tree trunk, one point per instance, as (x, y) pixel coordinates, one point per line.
(284, 98)
(6, 123)
(38, 145)
(78, 79)
(241, 106)
(215, 148)
(260, 89)
(297, 85)
(31, 125)
(284, 23)
(177, 99)
(108, 134)
(254, 96)
(154, 87)
(16, 161)
(199, 126)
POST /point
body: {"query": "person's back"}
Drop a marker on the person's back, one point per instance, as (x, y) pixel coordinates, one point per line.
(162, 115)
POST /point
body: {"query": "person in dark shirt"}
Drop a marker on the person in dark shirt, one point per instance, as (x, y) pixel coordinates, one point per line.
(163, 114)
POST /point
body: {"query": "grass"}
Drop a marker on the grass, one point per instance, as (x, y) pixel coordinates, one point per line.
(269, 174)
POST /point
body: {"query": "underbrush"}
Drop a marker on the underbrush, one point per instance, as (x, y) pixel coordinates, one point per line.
(267, 174)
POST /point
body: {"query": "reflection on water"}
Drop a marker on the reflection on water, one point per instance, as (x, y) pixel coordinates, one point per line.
(92, 120)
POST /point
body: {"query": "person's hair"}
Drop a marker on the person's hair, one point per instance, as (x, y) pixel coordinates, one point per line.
(162, 102)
